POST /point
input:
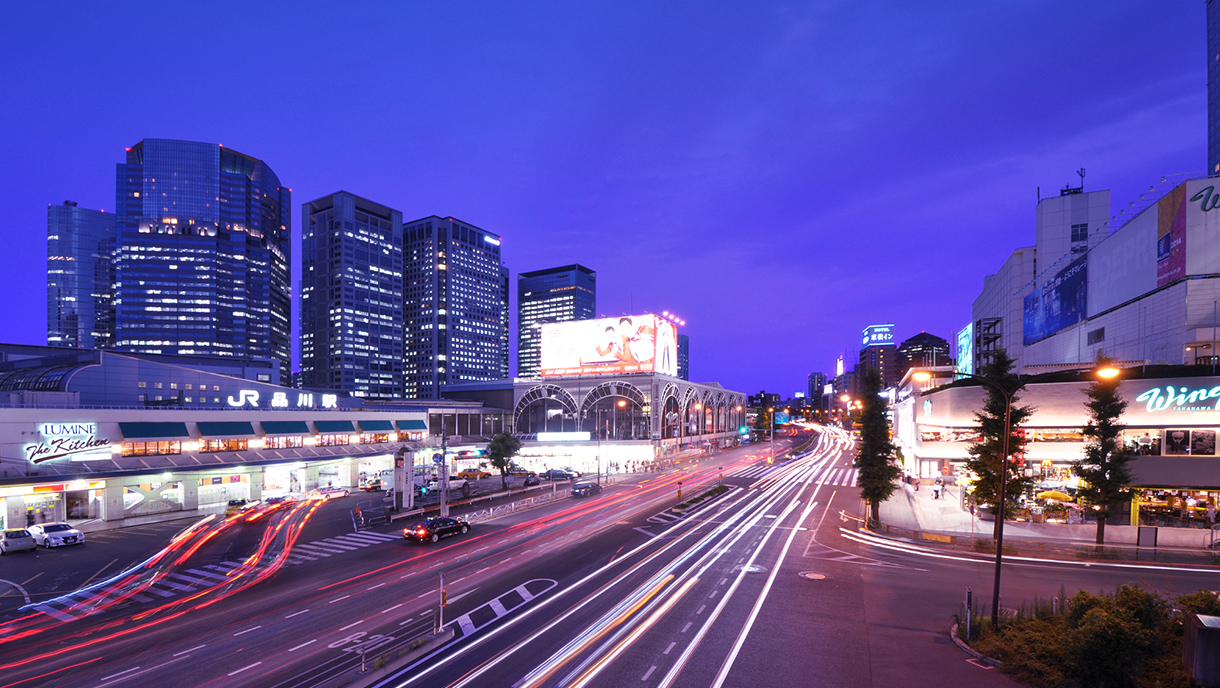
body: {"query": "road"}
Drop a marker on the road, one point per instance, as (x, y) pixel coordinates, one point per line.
(763, 585)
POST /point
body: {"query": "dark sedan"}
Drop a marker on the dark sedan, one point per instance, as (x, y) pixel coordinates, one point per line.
(586, 489)
(433, 529)
(557, 474)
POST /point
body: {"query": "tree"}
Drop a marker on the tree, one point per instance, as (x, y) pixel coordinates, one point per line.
(875, 454)
(1104, 467)
(984, 459)
(762, 422)
(500, 453)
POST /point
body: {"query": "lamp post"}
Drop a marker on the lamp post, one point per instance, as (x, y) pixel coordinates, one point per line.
(771, 411)
(924, 376)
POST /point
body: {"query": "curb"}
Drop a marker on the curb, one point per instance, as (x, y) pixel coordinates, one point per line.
(392, 662)
(970, 651)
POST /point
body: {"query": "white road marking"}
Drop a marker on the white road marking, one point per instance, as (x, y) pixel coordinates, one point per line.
(350, 625)
(338, 599)
(701, 608)
(671, 646)
(649, 672)
(128, 671)
(303, 645)
(303, 611)
(375, 586)
(234, 673)
(197, 647)
(246, 631)
(684, 628)
(392, 608)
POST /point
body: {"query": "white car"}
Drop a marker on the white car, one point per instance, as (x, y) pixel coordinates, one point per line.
(56, 535)
(329, 492)
(456, 484)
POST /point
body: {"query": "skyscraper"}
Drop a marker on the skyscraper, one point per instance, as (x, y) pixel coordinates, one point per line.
(1213, 87)
(80, 277)
(923, 350)
(203, 253)
(351, 296)
(455, 306)
(878, 351)
(684, 357)
(548, 296)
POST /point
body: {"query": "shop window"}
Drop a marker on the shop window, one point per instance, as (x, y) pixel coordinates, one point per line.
(284, 442)
(151, 448)
(215, 388)
(332, 440)
(188, 386)
(188, 400)
(374, 437)
(143, 385)
(224, 445)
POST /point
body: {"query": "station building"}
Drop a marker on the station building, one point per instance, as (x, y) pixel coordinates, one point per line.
(107, 437)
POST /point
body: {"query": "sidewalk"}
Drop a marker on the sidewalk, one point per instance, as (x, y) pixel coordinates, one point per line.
(917, 515)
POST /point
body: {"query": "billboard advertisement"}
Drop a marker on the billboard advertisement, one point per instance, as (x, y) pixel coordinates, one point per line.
(1059, 303)
(1171, 237)
(965, 350)
(610, 346)
(878, 335)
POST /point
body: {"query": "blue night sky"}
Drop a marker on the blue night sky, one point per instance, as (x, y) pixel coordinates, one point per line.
(778, 174)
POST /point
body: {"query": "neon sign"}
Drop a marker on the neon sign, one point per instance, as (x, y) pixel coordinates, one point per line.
(78, 440)
(1180, 399)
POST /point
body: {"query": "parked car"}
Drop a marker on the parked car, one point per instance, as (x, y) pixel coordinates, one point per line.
(518, 471)
(280, 502)
(236, 506)
(328, 493)
(571, 471)
(456, 484)
(531, 479)
(16, 540)
(56, 534)
(373, 485)
(474, 474)
(557, 474)
(585, 489)
(433, 529)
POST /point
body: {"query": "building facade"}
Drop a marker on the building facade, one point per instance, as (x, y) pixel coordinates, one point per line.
(203, 253)
(1213, 86)
(922, 350)
(80, 277)
(559, 294)
(879, 352)
(351, 296)
(455, 306)
(684, 357)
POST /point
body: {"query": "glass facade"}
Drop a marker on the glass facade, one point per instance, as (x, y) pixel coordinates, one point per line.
(548, 296)
(203, 253)
(1213, 87)
(455, 306)
(684, 357)
(80, 277)
(351, 296)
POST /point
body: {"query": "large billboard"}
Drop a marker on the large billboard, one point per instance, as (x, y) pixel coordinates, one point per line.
(1171, 237)
(878, 335)
(610, 346)
(965, 350)
(1060, 303)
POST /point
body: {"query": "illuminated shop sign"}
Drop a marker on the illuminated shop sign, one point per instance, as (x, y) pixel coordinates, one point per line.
(1170, 398)
(250, 398)
(878, 335)
(80, 441)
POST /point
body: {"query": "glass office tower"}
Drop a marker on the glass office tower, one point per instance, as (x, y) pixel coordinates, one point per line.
(549, 296)
(80, 277)
(351, 296)
(203, 253)
(455, 305)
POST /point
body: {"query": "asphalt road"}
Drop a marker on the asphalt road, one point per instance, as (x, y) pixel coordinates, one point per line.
(766, 585)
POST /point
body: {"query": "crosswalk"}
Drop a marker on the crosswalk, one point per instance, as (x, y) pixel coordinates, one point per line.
(82, 603)
(845, 477)
(755, 471)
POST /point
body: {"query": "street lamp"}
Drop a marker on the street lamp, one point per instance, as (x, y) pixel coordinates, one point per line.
(1107, 372)
(771, 411)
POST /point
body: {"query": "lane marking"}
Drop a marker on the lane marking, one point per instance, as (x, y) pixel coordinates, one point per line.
(197, 647)
(671, 646)
(246, 631)
(392, 608)
(303, 645)
(649, 672)
(350, 625)
(338, 599)
(687, 626)
(128, 671)
(303, 611)
(374, 587)
(234, 673)
(701, 608)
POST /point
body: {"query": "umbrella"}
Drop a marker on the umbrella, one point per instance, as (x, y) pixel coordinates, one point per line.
(1055, 494)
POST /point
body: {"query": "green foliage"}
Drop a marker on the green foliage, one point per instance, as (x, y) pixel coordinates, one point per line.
(875, 455)
(1103, 467)
(500, 453)
(1128, 638)
(985, 454)
(1201, 602)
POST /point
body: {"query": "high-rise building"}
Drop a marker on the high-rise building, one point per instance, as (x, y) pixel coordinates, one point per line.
(1213, 87)
(548, 296)
(455, 306)
(923, 350)
(80, 277)
(203, 255)
(351, 296)
(684, 357)
(878, 351)
(817, 385)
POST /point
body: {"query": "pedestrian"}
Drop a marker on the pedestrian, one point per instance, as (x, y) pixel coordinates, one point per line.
(1211, 512)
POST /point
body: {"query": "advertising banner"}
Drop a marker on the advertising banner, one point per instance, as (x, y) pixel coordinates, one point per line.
(1171, 237)
(610, 346)
(1059, 303)
(965, 350)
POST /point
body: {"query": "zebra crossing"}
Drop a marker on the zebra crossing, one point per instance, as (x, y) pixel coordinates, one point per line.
(82, 603)
(845, 477)
(755, 471)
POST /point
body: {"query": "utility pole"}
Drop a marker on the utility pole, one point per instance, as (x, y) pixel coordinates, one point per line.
(443, 473)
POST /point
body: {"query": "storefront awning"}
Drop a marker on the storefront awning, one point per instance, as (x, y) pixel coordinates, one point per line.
(328, 426)
(226, 429)
(154, 431)
(406, 425)
(376, 426)
(285, 427)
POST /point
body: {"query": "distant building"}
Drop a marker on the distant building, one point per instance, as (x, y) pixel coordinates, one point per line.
(684, 357)
(923, 350)
(351, 296)
(80, 277)
(1213, 86)
(817, 385)
(878, 352)
(553, 295)
(455, 306)
(203, 254)
(763, 400)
